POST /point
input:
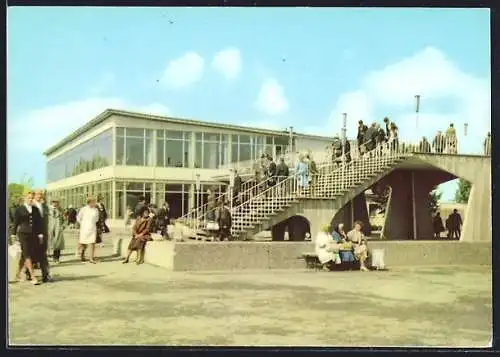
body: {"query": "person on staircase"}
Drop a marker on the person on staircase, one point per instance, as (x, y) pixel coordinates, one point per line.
(370, 137)
(336, 150)
(393, 138)
(225, 221)
(358, 240)
(424, 146)
(347, 149)
(211, 205)
(302, 173)
(282, 171)
(271, 171)
(313, 174)
(163, 220)
(362, 128)
(387, 124)
(380, 138)
(451, 140)
(487, 145)
(438, 144)
(237, 188)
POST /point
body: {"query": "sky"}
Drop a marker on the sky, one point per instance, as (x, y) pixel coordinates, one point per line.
(265, 67)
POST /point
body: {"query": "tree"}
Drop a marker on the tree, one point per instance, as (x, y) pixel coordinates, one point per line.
(15, 191)
(463, 191)
(435, 199)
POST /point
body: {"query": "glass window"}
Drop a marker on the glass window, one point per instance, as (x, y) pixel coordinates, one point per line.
(160, 134)
(174, 134)
(211, 137)
(134, 132)
(245, 152)
(120, 131)
(134, 186)
(134, 151)
(245, 139)
(174, 153)
(210, 155)
(120, 203)
(234, 152)
(120, 151)
(160, 153)
(150, 148)
(198, 159)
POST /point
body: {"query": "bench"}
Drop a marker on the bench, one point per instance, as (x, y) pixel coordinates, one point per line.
(312, 262)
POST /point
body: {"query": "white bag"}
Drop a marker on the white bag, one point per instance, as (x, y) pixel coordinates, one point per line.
(212, 226)
(170, 229)
(378, 258)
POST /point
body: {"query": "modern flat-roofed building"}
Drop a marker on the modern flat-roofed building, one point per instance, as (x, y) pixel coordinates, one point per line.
(122, 155)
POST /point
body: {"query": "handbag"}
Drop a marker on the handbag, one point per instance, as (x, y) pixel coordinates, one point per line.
(212, 226)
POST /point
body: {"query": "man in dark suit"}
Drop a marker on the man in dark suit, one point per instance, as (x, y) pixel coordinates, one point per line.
(271, 171)
(362, 128)
(39, 202)
(28, 227)
(236, 187)
(282, 170)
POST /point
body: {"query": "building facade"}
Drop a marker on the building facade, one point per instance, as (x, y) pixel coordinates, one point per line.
(123, 155)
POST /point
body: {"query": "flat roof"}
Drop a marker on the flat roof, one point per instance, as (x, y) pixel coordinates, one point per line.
(109, 112)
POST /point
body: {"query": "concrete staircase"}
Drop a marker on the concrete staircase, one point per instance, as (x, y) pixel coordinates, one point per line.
(280, 202)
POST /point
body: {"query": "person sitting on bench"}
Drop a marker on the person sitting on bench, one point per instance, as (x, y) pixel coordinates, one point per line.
(345, 247)
(358, 239)
(326, 249)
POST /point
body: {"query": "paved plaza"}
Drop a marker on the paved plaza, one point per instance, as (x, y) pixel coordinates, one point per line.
(112, 303)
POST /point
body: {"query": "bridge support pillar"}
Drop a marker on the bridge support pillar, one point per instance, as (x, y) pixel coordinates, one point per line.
(354, 210)
(406, 199)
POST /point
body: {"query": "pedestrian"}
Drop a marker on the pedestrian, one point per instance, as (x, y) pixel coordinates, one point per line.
(56, 230)
(28, 227)
(302, 173)
(88, 216)
(141, 234)
(438, 226)
(487, 145)
(455, 224)
(102, 228)
(225, 221)
(41, 257)
(362, 128)
(438, 144)
(451, 140)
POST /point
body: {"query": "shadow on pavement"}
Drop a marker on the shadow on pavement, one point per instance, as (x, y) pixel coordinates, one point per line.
(60, 278)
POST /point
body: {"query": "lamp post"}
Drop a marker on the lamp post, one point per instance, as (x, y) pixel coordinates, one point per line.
(290, 142)
(344, 133)
(198, 187)
(231, 186)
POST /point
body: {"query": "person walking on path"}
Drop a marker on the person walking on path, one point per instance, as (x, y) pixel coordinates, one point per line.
(41, 257)
(28, 227)
(56, 231)
(88, 218)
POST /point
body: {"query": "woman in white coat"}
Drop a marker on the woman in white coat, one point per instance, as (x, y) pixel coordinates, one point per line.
(88, 218)
(326, 248)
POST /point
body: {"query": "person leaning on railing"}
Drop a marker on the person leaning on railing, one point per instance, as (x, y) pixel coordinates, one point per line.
(451, 140)
(313, 172)
(487, 144)
(424, 146)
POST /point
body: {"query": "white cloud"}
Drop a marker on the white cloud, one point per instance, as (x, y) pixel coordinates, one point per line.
(184, 71)
(450, 94)
(271, 98)
(228, 63)
(56, 122)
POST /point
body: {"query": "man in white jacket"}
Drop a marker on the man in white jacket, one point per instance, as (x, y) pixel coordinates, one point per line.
(326, 248)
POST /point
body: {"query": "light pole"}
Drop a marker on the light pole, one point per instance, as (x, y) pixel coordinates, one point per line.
(417, 109)
(231, 186)
(344, 133)
(290, 143)
(198, 187)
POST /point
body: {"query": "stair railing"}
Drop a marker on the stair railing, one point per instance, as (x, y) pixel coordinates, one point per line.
(343, 176)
